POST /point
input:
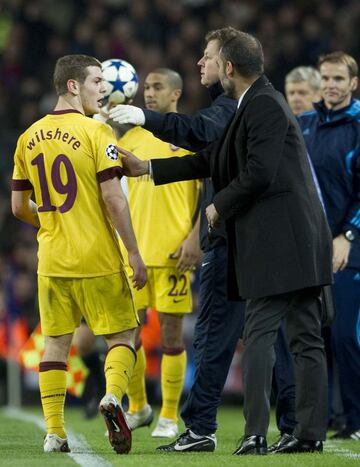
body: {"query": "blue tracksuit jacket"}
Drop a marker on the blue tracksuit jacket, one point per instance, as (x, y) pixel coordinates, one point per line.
(333, 142)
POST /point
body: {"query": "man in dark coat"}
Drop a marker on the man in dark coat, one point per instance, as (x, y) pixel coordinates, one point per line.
(279, 243)
(220, 321)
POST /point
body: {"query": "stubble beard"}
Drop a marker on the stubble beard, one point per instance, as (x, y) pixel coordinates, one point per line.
(229, 89)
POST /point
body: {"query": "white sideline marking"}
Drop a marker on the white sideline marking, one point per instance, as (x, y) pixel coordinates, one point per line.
(335, 449)
(81, 453)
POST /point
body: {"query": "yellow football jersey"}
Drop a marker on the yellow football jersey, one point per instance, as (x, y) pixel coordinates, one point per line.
(63, 157)
(163, 215)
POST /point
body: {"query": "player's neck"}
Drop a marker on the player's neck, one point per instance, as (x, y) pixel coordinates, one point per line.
(66, 103)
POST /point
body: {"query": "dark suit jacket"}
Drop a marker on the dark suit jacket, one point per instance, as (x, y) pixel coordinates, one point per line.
(278, 236)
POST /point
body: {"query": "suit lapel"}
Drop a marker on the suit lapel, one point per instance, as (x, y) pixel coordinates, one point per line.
(222, 158)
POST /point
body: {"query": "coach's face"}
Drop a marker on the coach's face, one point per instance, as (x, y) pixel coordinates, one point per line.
(209, 69)
(226, 77)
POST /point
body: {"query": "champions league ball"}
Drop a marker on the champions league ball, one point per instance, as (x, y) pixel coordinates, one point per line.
(120, 79)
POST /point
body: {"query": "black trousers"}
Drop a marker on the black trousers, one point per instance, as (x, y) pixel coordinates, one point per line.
(218, 328)
(301, 311)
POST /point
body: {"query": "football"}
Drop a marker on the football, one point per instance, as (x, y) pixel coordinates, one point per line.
(121, 81)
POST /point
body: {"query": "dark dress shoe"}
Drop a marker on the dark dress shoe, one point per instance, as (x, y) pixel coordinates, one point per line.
(294, 445)
(252, 445)
(280, 442)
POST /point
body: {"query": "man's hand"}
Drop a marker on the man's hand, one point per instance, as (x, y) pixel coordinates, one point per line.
(132, 165)
(212, 216)
(341, 251)
(139, 276)
(188, 253)
(127, 114)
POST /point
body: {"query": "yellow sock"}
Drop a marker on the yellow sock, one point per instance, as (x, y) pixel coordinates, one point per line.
(52, 383)
(119, 365)
(136, 390)
(172, 380)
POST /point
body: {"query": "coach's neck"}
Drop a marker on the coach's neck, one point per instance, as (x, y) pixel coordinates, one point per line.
(242, 83)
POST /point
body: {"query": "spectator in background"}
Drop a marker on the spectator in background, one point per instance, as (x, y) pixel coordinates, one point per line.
(302, 88)
(332, 136)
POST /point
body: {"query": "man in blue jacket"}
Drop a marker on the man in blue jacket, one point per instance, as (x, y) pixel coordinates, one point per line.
(332, 136)
(220, 321)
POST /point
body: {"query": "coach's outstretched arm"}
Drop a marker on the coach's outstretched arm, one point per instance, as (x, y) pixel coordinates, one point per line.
(168, 170)
(193, 132)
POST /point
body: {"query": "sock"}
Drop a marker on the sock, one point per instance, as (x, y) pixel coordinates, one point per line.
(96, 369)
(52, 383)
(173, 366)
(137, 390)
(119, 365)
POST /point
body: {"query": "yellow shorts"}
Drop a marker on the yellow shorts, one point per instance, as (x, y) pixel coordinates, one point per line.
(105, 302)
(167, 290)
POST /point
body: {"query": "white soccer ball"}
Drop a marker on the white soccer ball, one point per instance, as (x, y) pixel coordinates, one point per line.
(120, 79)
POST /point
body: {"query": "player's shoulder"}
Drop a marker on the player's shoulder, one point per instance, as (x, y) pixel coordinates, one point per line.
(29, 132)
(33, 127)
(94, 124)
(135, 133)
(97, 129)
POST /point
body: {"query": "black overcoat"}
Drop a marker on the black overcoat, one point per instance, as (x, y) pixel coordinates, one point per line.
(278, 236)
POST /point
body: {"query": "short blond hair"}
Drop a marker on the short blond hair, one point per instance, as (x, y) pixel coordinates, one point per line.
(341, 57)
(222, 35)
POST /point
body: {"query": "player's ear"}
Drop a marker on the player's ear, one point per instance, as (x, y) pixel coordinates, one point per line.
(177, 93)
(73, 86)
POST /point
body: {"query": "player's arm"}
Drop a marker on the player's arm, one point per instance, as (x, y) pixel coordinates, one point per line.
(118, 210)
(24, 208)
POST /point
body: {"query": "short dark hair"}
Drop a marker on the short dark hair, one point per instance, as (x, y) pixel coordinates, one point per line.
(222, 35)
(173, 76)
(72, 67)
(341, 57)
(245, 52)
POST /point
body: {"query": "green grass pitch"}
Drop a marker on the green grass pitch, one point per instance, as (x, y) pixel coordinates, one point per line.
(21, 445)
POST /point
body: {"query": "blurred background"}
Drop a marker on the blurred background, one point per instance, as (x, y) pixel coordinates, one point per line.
(148, 34)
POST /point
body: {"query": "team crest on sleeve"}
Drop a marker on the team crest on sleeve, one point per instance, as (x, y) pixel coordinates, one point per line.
(111, 152)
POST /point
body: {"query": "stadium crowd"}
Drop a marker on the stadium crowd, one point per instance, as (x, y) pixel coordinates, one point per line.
(151, 33)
